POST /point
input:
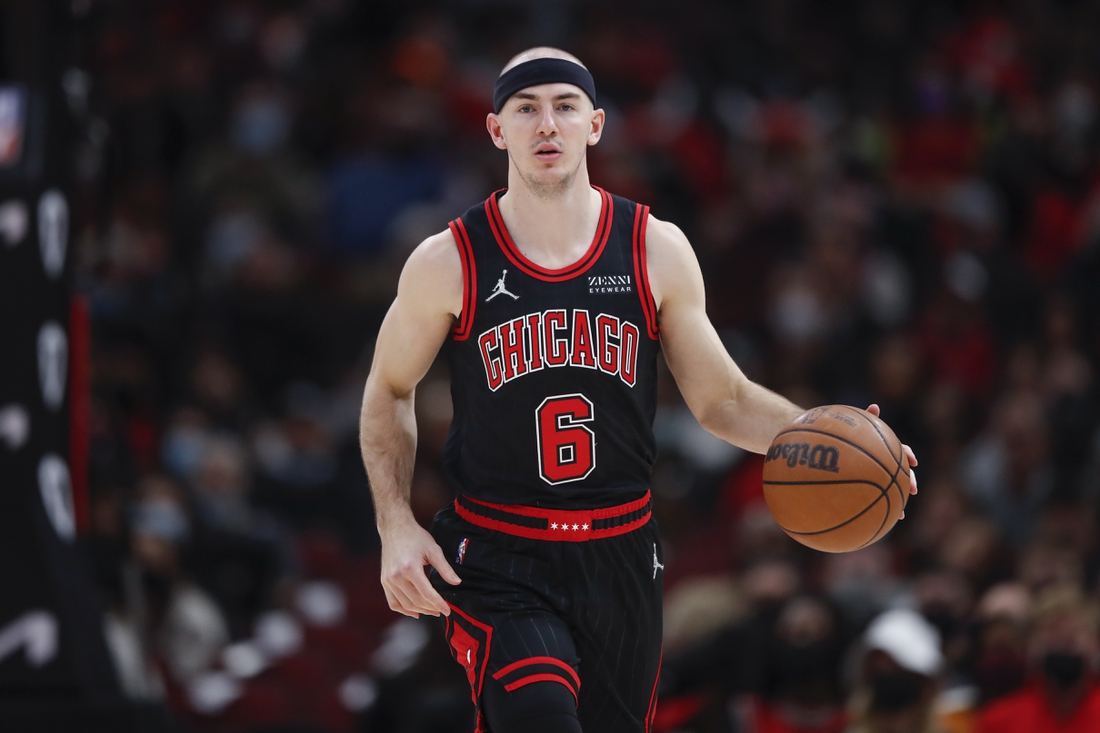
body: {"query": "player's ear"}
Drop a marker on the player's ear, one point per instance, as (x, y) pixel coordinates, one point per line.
(492, 123)
(598, 119)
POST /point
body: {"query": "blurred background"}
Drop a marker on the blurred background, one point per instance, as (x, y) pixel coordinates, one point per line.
(893, 201)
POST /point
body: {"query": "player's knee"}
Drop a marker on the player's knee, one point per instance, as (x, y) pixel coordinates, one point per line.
(540, 707)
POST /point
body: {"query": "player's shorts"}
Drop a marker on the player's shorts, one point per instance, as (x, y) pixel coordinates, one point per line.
(567, 597)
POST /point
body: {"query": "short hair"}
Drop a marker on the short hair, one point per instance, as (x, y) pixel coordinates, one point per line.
(1063, 600)
(540, 52)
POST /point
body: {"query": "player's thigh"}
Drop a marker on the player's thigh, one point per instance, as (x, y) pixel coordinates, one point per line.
(502, 629)
(618, 632)
(534, 646)
(510, 658)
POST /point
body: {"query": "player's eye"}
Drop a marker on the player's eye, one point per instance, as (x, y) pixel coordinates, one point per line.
(566, 108)
(525, 108)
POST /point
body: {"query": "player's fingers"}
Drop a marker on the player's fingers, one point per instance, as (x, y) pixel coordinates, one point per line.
(439, 562)
(909, 454)
(408, 602)
(427, 597)
(393, 603)
(421, 606)
(400, 602)
(912, 481)
(398, 581)
(389, 598)
(873, 409)
(902, 515)
(406, 583)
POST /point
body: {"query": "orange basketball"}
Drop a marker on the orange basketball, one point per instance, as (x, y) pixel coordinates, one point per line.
(836, 479)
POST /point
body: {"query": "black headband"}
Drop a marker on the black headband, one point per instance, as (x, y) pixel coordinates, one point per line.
(541, 71)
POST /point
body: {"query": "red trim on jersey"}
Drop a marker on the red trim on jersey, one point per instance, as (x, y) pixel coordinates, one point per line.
(533, 511)
(504, 239)
(469, 280)
(538, 660)
(563, 525)
(652, 714)
(524, 681)
(641, 271)
(484, 652)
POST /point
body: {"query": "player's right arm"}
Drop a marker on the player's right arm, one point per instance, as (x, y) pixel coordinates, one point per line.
(429, 298)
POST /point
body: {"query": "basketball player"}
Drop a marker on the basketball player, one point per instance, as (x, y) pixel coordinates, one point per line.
(553, 298)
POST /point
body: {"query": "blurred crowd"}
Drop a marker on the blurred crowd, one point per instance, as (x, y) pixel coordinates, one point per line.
(893, 201)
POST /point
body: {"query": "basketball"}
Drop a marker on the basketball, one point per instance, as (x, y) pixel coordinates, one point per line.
(836, 478)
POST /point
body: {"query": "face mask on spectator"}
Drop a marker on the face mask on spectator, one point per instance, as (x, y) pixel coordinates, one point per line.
(261, 126)
(796, 664)
(161, 518)
(943, 618)
(1063, 670)
(894, 691)
(183, 450)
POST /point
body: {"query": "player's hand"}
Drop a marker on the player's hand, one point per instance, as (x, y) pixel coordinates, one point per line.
(909, 455)
(405, 552)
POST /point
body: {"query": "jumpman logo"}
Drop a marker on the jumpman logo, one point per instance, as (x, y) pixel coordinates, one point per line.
(656, 565)
(500, 289)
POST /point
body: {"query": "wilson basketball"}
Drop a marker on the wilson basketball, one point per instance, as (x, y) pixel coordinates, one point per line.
(836, 478)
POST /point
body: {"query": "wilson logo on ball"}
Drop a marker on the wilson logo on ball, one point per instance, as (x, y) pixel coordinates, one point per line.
(822, 457)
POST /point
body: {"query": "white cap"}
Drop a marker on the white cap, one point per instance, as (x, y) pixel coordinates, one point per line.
(908, 638)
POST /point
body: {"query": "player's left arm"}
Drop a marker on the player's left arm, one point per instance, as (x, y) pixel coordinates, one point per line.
(722, 398)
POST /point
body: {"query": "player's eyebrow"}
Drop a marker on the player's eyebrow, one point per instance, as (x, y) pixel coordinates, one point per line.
(556, 97)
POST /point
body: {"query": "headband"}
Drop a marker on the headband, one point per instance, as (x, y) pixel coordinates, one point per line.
(541, 71)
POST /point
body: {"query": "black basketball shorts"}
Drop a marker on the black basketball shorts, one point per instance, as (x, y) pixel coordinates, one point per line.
(568, 597)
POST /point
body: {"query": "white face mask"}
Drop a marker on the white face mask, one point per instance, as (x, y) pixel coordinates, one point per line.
(183, 449)
(797, 315)
(161, 518)
(261, 126)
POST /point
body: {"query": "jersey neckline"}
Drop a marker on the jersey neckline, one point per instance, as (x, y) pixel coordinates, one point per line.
(517, 258)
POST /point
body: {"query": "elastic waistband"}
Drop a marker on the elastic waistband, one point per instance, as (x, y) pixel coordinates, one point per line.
(556, 525)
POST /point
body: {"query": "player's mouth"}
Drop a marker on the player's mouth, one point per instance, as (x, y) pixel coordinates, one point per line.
(548, 152)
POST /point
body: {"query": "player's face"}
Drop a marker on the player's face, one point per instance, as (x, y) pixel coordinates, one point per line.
(546, 130)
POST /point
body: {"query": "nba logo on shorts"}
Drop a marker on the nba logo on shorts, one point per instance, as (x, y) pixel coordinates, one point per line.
(461, 551)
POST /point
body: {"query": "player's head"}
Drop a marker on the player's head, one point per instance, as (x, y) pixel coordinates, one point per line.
(545, 116)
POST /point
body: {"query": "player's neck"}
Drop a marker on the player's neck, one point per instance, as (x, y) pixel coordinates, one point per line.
(552, 232)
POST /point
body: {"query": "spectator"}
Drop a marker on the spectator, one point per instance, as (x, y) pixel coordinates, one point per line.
(185, 623)
(1063, 652)
(1000, 665)
(1006, 471)
(899, 676)
(242, 553)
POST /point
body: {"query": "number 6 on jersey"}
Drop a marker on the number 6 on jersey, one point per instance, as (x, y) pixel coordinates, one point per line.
(567, 448)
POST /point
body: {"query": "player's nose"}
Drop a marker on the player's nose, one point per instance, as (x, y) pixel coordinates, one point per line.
(547, 124)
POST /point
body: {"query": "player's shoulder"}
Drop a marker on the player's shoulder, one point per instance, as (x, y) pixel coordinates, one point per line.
(672, 266)
(433, 271)
(663, 230)
(437, 252)
(666, 240)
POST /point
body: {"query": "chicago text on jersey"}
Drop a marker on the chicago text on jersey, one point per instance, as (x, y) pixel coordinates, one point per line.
(559, 338)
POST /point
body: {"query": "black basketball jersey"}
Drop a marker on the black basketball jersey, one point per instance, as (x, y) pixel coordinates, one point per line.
(553, 372)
